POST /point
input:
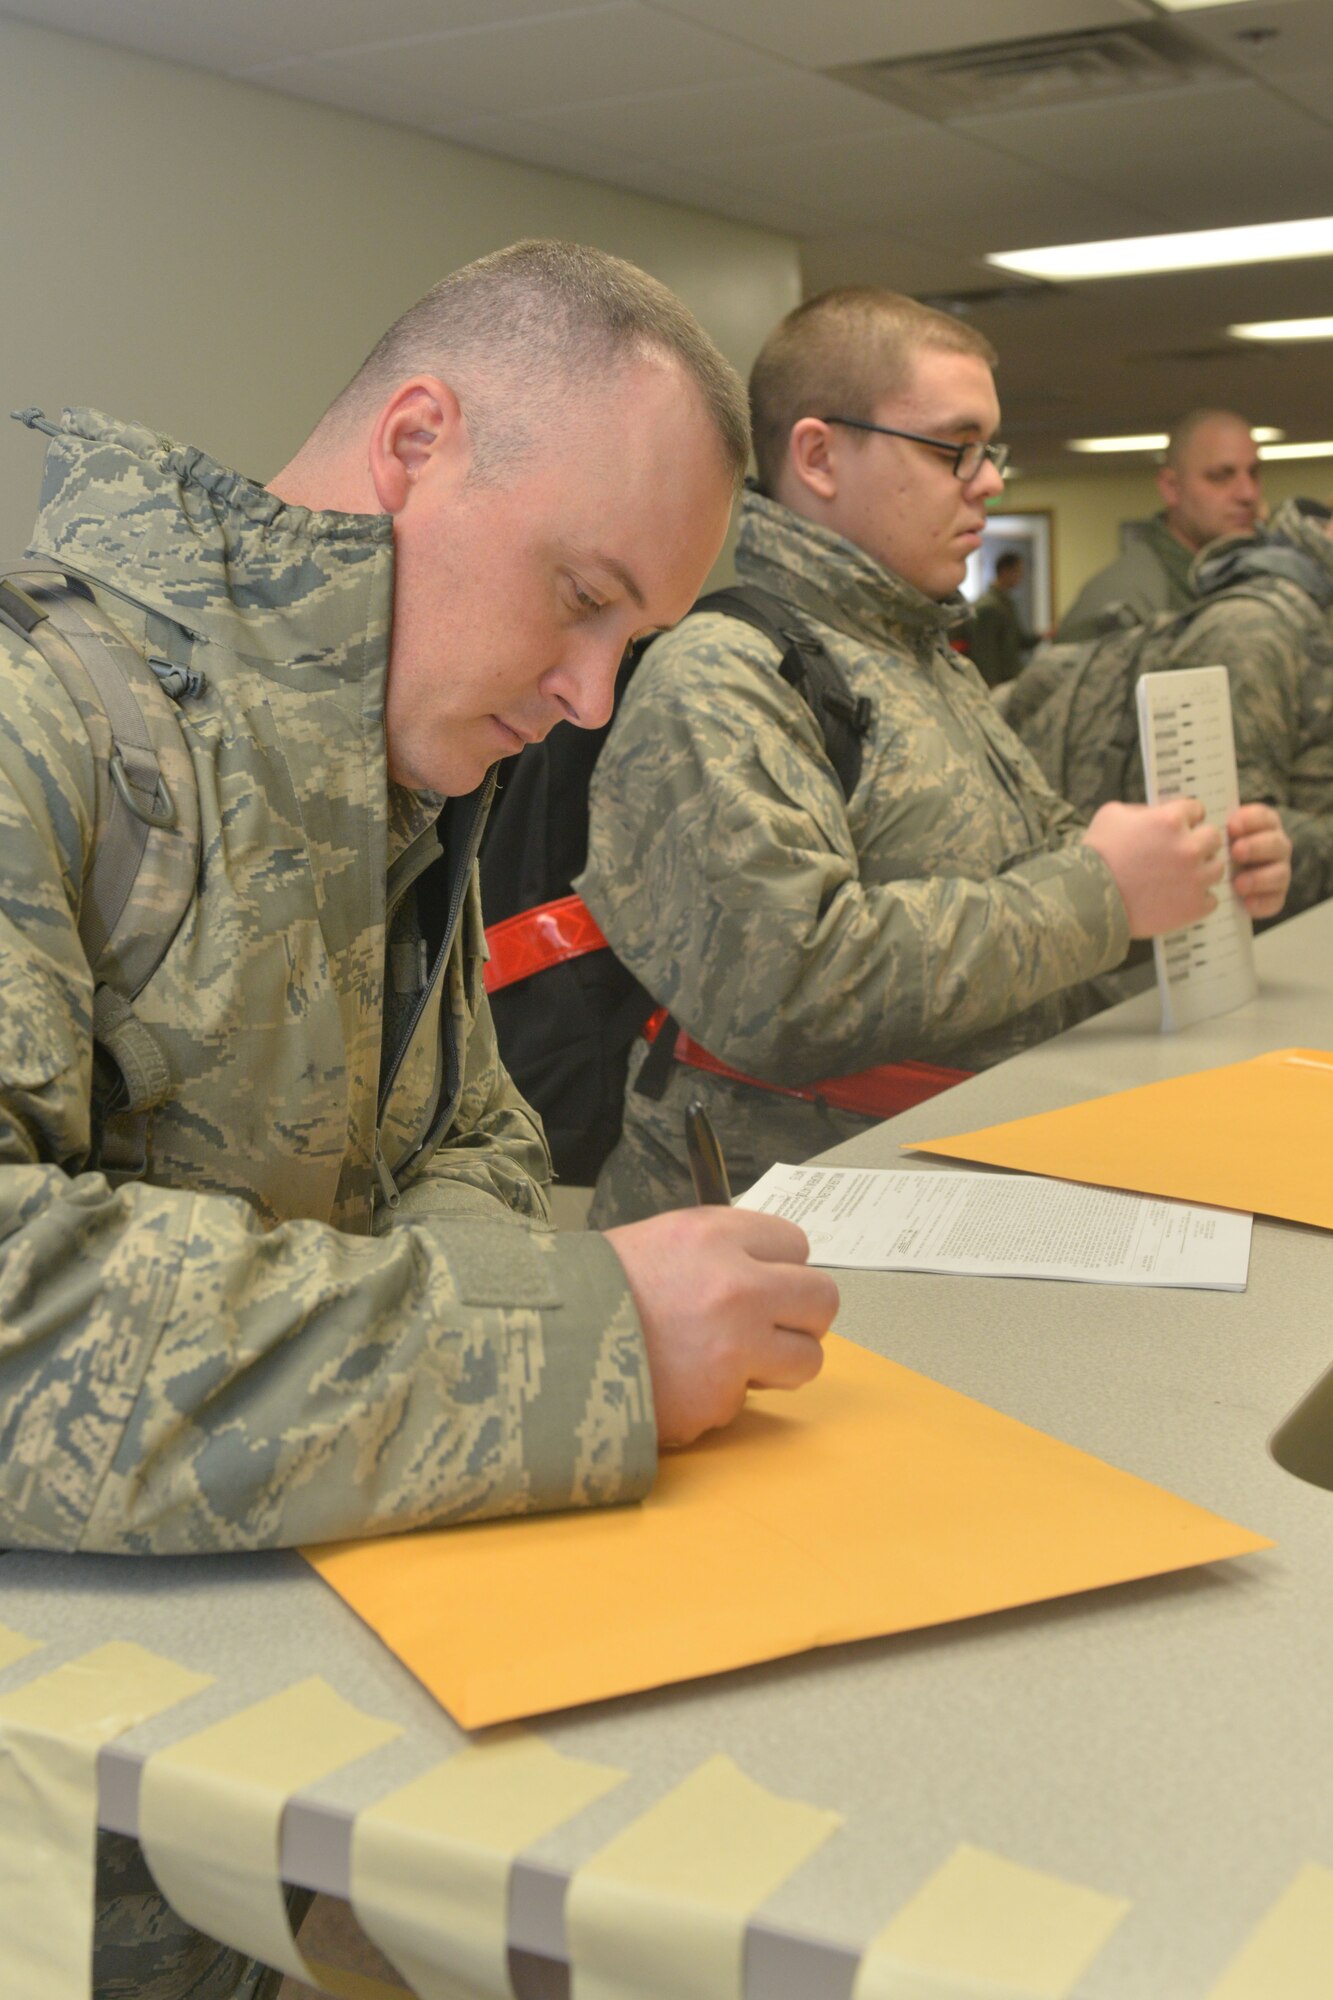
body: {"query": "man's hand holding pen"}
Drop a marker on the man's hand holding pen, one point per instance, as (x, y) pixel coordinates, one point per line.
(728, 1302)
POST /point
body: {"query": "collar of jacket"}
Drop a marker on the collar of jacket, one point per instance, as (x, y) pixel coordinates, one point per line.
(834, 580)
(181, 536)
(1155, 535)
(1294, 544)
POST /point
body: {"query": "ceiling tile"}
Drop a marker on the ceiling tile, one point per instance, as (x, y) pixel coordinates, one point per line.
(1204, 157)
(850, 31)
(714, 192)
(424, 107)
(1272, 39)
(1311, 88)
(310, 27)
(514, 138)
(241, 33)
(598, 52)
(880, 257)
(207, 39)
(929, 184)
(723, 117)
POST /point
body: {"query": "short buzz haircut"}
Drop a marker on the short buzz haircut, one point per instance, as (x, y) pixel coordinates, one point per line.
(515, 331)
(844, 351)
(1183, 431)
(1008, 561)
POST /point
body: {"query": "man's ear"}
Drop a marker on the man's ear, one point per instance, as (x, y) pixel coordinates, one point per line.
(1168, 485)
(419, 434)
(812, 457)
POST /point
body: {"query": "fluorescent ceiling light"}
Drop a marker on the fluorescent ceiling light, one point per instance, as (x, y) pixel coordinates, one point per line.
(1158, 440)
(1188, 6)
(1284, 329)
(1324, 450)
(1150, 441)
(1187, 250)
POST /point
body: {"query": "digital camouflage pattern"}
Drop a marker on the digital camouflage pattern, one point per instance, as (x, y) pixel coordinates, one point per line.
(1151, 574)
(943, 913)
(243, 1346)
(218, 1333)
(1264, 611)
(143, 1951)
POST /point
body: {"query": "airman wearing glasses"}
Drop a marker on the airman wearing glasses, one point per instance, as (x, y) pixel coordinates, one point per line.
(826, 958)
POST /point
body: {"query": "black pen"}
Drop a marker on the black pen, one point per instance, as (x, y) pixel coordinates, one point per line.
(708, 1169)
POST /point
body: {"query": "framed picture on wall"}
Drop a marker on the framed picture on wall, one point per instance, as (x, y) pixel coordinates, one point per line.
(1029, 536)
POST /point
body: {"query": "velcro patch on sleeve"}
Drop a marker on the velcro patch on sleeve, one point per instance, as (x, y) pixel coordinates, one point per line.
(502, 1264)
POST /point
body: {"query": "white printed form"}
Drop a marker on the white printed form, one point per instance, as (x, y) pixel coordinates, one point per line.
(1189, 751)
(1005, 1226)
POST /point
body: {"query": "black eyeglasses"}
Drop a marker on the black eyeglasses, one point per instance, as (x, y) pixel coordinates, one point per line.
(968, 458)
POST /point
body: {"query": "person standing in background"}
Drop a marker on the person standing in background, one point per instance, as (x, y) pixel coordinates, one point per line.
(999, 640)
(1209, 481)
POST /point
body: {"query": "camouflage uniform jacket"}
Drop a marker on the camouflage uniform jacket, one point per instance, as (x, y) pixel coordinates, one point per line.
(241, 1345)
(942, 913)
(1151, 574)
(1265, 613)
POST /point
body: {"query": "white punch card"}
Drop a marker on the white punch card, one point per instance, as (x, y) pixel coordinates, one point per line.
(1189, 751)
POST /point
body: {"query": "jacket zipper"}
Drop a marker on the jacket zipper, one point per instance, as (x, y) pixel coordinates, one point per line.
(388, 1187)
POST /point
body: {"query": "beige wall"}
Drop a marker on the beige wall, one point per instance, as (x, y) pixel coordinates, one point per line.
(215, 260)
(1087, 509)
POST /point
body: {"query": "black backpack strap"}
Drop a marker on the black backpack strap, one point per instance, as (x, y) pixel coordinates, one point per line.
(843, 718)
(655, 1069)
(808, 668)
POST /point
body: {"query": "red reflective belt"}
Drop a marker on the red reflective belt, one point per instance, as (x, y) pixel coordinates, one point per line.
(876, 1093)
(536, 939)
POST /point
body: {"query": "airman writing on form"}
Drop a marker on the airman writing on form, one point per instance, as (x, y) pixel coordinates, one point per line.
(949, 911)
(303, 1286)
(1209, 481)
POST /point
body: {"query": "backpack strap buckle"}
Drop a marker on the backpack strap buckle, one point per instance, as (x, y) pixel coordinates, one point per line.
(161, 809)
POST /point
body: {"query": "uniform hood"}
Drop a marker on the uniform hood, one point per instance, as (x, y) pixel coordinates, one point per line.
(1294, 544)
(210, 549)
(833, 579)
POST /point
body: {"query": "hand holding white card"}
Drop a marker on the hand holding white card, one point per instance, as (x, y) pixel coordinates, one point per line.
(1189, 751)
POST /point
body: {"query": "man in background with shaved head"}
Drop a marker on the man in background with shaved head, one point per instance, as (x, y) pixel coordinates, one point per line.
(1209, 481)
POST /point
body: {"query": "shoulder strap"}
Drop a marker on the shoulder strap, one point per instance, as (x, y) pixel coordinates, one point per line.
(146, 837)
(809, 669)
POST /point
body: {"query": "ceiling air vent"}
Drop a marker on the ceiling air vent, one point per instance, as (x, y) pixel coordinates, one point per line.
(1028, 76)
(1191, 356)
(962, 304)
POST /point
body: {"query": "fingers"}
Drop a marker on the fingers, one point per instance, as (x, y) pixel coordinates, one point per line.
(1262, 896)
(799, 1298)
(1205, 847)
(726, 1298)
(1263, 890)
(789, 1360)
(1214, 870)
(769, 1238)
(1260, 851)
(1253, 819)
(1258, 844)
(1183, 812)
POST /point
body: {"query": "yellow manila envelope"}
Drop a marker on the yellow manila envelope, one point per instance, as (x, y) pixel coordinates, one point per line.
(875, 1501)
(1252, 1136)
